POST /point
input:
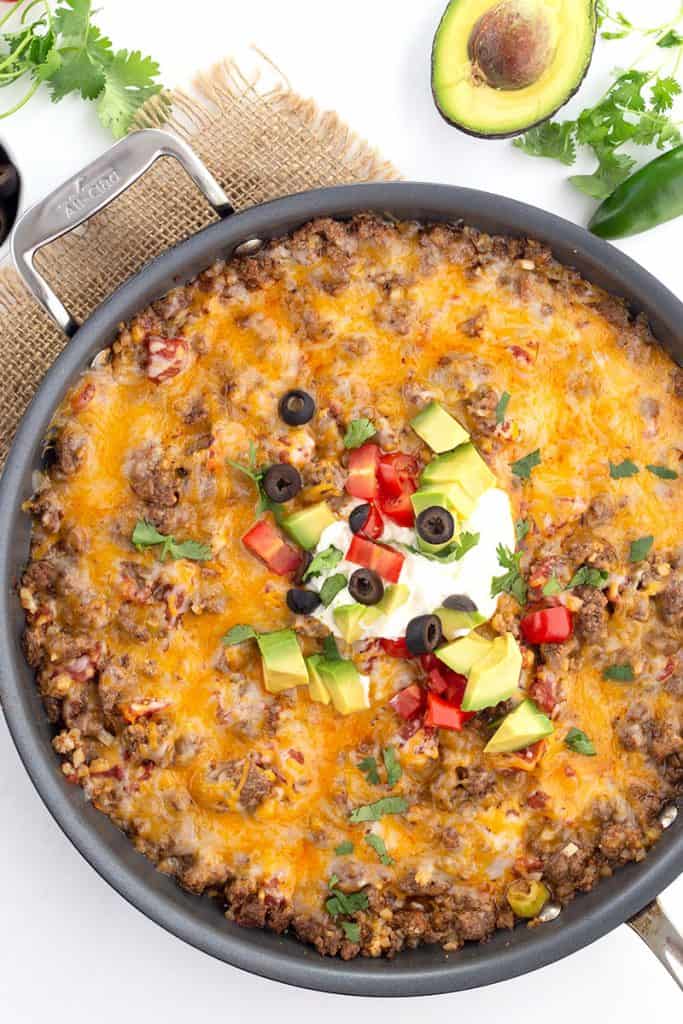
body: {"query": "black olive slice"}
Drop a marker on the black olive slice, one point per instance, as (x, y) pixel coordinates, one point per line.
(281, 482)
(365, 586)
(423, 634)
(359, 517)
(302, 602)
(435, 525)
(306, 559)
(460, 603)
(9, 181)
(296, 407)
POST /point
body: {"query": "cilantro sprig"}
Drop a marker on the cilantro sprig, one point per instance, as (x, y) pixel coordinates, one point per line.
(377, 810)
(358, 432)
(452, 553)
(145, 535)
(257, 473)
(379, 846)
(512, 581)
(324, 561)
(66, 51)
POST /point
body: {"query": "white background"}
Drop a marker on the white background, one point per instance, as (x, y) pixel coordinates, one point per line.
(70, 948)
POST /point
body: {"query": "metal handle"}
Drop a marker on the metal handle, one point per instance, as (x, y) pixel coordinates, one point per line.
(91, 190)
(660, 934)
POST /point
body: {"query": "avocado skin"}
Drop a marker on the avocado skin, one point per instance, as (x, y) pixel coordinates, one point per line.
(523, 128)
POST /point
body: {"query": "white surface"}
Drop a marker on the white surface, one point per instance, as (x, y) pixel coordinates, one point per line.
(70, 948)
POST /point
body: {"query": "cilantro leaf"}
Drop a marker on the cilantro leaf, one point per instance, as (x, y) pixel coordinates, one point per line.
(344, 902)
(146, 535)
(586, 576)
(663, 472)
(552, 139)
(129, 82)
(577, 741)
(323, 562)
(344, 848)
(612, 169)
(522, 467)
(351, 930)
(332, 586)
(238, 634)
(358, 432)
(191, 549)
(330, 649)
(501, 407)
(622, 469)
(619, 673)
(392, 766)
(452, 553)
(640, 548)
(368, 766)
(379, 846)
(373, 812)
(511, 582)
(77, 72)
(664, 91)
(670, 40)
(522, 527)
(553, 586)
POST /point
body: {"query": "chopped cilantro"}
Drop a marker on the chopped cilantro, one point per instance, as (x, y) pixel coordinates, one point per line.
(501, 408)
(640, 548)
(378, 845)
(344, 848)
(522, 467)
(586, 576)
(369, 768)
(619, 673)
(238, 634)
(511, 582)
(553, 586)
(577, 741)
(323, 562)
(351, 930)
(373, 812)
(452, 553)
(346, 903)
(622, 469)
(330, 649)
(392, 766)
(358, 432)
(145, 535)
(332, 586)
(522, 527)
(256, 473)
(663, 472)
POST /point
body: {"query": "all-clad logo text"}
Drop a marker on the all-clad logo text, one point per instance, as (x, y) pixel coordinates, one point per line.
(86, 192)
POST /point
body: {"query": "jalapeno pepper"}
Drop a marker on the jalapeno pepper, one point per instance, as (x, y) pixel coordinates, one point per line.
(651, 196)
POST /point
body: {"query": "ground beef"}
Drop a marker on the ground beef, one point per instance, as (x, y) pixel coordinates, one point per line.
(480, 410)
(670, 601)
(150, 476)
(590, 621)
(600, 511)
(70, 451)
(257, 788)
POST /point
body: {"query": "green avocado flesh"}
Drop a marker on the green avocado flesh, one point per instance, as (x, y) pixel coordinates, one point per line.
(495, 676)
(499, 68)
(438, 429)
(523, 726)
(462, 654)
(317, 690)
(344, 685)
(283, 662)
(453, 621)
(306, 526)
(462, 475)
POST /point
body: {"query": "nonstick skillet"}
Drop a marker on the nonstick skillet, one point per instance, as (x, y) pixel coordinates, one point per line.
(422, 971)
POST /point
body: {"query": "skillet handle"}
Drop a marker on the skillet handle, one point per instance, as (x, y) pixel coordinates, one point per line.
(660, 934)
(91, 190)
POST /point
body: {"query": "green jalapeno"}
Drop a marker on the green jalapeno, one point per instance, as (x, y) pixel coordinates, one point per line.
(651, 196)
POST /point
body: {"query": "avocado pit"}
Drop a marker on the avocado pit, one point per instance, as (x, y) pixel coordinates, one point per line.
(510, 46)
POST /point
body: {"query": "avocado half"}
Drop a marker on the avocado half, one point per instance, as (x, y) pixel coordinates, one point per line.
(500, 67)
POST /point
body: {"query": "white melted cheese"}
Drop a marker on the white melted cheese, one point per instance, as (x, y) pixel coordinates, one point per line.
(429, 582)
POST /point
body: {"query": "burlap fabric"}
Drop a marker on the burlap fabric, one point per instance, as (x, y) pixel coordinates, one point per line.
(259, 142)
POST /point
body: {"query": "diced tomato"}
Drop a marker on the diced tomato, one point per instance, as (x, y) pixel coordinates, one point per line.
(430, 661)
(396, 648)
(264, 541)
(442, 715)
(400, 509)
(385, 561)
(548, 626)
(394, 471)
(362, 479)
(374, 524)
(409, 703)
(450, 686)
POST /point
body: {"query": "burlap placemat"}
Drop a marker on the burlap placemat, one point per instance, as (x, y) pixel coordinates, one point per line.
(259, 142)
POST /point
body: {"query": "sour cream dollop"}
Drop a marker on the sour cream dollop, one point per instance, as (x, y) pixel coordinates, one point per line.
(429, 582)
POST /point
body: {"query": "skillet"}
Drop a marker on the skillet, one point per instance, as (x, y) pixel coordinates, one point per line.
(424, 971)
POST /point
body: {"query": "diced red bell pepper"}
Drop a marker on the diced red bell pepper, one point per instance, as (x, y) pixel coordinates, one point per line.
(264, 541)
(396, 648)
(442, 715)
(394, 471)
(409, 702)
(374, 524)
(385, 561)
(430, 661)
(400, 509)
(450, 686)
(548, 626)
(362, 479)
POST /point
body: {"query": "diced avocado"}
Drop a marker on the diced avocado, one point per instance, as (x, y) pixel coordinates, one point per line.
(460, 655)
(438, 428)
(525, 725)
(349, 620)
(453, 621)
(316, 687)
(494, 677)
(395, 595)
(283, 662)
(306, 526)
(345, 686)
(463, 473)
